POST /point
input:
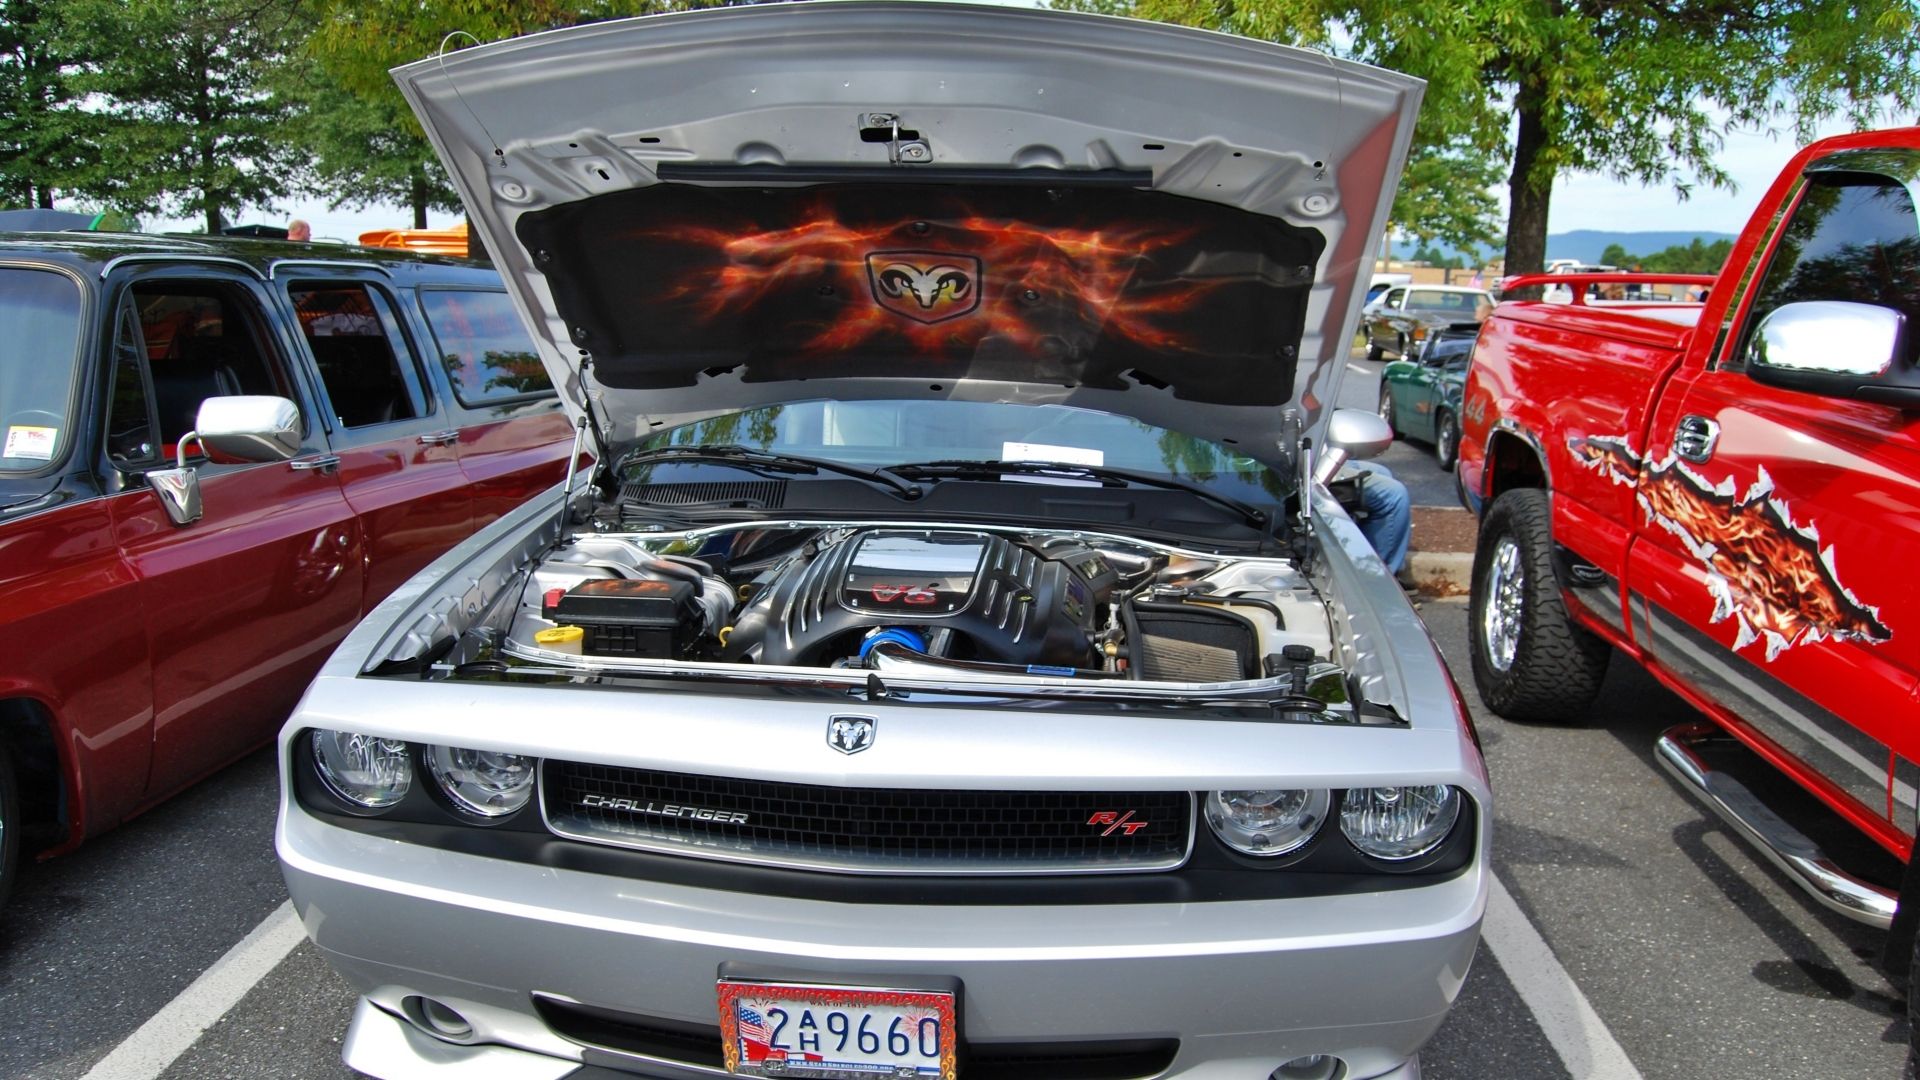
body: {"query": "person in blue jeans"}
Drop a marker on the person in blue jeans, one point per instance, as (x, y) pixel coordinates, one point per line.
(1389, 522)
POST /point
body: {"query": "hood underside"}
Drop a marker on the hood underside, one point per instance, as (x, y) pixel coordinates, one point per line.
(737, 207)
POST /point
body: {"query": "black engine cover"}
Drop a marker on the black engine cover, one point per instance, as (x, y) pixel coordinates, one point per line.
(1010, 604)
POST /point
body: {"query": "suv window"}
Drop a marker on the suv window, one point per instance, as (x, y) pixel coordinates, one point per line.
(175, 345)
(1853, 236)
(40, 317)
(362, 358)
(486, 351)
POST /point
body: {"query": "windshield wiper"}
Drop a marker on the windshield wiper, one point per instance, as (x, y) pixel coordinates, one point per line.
(772, 462)
(1104, 474)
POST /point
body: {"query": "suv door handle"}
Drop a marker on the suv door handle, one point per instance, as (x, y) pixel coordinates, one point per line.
(1695, 437)
(323, 463)
(441, 438)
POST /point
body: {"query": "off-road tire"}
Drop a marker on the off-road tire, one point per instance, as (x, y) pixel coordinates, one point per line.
(1446, 439)
(1557, 666)
(1386, 407)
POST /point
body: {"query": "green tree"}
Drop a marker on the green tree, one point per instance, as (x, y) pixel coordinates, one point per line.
(177, 105)
(1615, 255)
(363, 150)
(1638, 91)
(38, 154)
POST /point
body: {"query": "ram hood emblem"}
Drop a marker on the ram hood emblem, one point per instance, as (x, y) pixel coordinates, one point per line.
(926, 286)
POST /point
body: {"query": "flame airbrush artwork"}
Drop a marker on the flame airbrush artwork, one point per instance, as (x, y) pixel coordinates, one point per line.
(1765, 571)
(1077, 286)
(1017, 277)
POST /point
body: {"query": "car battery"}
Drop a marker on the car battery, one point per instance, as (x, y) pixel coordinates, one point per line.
(652, 618)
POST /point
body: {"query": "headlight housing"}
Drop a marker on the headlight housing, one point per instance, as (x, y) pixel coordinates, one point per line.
(484, 783)
(1267, 822)
(366, 771)
(1399, 823)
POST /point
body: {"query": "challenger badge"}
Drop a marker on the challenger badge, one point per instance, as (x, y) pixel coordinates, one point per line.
(926, 286)
(850, 734)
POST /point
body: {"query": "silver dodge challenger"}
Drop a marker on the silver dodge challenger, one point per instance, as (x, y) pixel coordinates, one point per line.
(950, 657)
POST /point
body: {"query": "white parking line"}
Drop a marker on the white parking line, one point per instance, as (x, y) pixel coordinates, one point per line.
(1578, 1035)
(147, 1052)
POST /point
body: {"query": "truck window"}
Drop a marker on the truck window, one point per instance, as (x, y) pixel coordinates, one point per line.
(1853, 236)
(38, 358)
(1394, 297)
(362, 357)
(487, 353)
(175, 345)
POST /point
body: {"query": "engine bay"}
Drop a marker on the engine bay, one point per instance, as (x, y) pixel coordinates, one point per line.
(946, 603)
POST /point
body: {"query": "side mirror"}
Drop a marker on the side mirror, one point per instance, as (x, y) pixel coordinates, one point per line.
(1351, 433)
(247, 428)
(1836, 348)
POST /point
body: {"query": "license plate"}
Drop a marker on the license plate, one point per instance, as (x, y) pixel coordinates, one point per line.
(837, 1032)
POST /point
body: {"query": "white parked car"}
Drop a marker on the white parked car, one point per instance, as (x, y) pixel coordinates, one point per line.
(952, 667)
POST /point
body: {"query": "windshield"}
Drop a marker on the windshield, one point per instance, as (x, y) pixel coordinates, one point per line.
(888, 433)
(39, 351)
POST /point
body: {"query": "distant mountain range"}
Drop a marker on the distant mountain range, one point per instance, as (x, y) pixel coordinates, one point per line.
(1587, 244)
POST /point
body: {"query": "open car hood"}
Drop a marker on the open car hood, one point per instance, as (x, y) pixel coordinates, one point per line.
(715, 210)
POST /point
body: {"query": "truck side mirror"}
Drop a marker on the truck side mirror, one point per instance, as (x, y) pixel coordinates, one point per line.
(247, 428)
(1837, 348)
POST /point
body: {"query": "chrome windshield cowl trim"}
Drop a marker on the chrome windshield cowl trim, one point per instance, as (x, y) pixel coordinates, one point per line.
(1785, 846)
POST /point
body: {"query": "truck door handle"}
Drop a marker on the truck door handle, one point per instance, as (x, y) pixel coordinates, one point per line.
(441, 438)
(1695, 438)
(323, 463)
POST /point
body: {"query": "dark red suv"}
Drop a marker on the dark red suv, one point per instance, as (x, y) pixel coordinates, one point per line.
(140, 648)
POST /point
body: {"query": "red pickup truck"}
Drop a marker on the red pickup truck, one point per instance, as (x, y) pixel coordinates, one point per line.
(1726, 488)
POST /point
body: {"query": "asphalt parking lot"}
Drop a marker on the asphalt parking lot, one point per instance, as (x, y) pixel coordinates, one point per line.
(1630, 936)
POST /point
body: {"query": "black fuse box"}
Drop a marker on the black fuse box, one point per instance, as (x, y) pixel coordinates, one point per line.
(651, 618)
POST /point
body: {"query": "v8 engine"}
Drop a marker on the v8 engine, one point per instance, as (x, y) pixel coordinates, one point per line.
(967, 595)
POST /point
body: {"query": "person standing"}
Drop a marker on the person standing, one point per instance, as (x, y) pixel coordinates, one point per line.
(299, 231)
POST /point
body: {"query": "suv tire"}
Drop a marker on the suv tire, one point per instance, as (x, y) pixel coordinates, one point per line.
(1530, 662)
(10, 825)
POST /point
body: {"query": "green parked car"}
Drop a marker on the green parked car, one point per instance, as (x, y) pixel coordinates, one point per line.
(1420, 397)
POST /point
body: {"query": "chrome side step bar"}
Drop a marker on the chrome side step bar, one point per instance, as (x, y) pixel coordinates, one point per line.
(1787, 847)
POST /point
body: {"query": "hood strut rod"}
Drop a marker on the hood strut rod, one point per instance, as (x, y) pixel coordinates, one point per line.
(573, 466)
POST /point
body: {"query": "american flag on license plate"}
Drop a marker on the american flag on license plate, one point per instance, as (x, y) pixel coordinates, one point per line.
(753, 1027)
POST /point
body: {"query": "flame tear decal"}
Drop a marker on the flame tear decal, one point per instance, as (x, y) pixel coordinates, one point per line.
(1765, 571)
(1012, 270)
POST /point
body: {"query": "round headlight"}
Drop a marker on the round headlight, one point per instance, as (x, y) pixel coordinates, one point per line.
(1269, 822)
(484, 782)
(1397, 823)
(365, 770)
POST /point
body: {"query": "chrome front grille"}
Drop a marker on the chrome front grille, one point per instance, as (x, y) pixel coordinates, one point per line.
(868, 830)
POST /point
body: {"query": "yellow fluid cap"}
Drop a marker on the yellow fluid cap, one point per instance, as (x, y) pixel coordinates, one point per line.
(559, 635)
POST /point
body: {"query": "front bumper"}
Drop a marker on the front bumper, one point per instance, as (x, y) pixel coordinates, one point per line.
(1244, 986)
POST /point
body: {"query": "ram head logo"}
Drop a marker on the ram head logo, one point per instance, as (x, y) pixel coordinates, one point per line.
(926, 286)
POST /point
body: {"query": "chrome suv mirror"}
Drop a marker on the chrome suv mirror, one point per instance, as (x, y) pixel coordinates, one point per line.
(247, 428)
(1837, 348)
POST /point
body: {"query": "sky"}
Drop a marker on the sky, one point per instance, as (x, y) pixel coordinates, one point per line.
(1752, 158)
(1579, 202)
